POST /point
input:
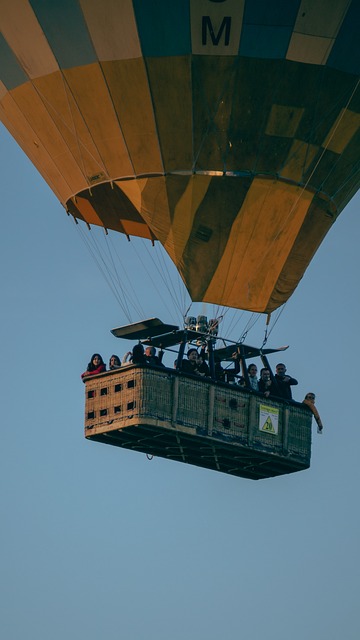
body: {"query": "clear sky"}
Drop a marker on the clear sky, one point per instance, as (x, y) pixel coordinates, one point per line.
(99, 542)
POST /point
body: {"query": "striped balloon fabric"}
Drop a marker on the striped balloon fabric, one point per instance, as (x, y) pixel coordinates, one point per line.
(227, 130)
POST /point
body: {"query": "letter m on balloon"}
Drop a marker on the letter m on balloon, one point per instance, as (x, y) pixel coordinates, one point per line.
(207, 28)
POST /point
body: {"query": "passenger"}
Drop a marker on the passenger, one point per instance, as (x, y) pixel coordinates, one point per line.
(152, 358)
(114, 362)
(309, 400)
(219, 370)
(127, 357)
(222, 374)
(96, 365)
(190, 364)
(252, 371)
(227, 374)
(266, 385)
(202, 368)
(232, 373)
(283, 382)
(136, 356)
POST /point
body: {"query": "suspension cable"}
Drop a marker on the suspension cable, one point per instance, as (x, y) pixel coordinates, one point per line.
(114, 283)
(279, 313)
(266, 330)
(135, 300)
(161, 268)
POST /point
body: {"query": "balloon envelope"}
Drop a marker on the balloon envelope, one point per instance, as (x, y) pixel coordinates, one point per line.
(228, 131)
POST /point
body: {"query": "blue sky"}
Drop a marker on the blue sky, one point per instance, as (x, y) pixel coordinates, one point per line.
(102, 543)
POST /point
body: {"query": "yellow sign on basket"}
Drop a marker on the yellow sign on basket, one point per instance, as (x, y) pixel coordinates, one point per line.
(269, 419)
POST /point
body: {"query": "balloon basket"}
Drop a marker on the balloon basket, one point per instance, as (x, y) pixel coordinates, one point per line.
(172, 415)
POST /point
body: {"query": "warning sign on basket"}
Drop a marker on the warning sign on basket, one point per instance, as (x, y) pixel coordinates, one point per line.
(269, 419)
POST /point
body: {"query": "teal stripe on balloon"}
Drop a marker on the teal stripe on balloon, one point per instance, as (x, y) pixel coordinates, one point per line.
(11, 73)
(64, 26)
(345, 54)
(163, 27)
(267, 28)
(276, 13)
(259, 41)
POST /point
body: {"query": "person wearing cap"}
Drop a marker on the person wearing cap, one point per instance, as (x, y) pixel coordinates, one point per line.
(195, 363)
(189, 364)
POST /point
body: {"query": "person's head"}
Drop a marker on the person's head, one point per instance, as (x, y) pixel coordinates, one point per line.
(150, 351)
(95, 362)
(310, 396)
(265, 374)
(280, 369)
(192, 355)
(252, 370)
(138, 353)
(114, 361)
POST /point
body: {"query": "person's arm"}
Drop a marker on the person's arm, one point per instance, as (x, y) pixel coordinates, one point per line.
(315, 413)
(236, 357)
(264, 387)
(318, 421)
(100, 369)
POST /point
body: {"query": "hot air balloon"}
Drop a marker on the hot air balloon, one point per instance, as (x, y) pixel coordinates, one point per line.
(227, 130)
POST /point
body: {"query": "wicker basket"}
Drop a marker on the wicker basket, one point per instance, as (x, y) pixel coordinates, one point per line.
(219, 426)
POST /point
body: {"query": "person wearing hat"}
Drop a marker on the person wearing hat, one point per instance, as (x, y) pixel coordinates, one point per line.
(189, 365)
(195, 363)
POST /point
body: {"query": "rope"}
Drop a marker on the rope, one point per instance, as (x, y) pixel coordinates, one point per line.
(163, 272)
(73, 131)
(266, 331)
(136, 303)
(279, 313)
(114, 282)
(135, 299)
